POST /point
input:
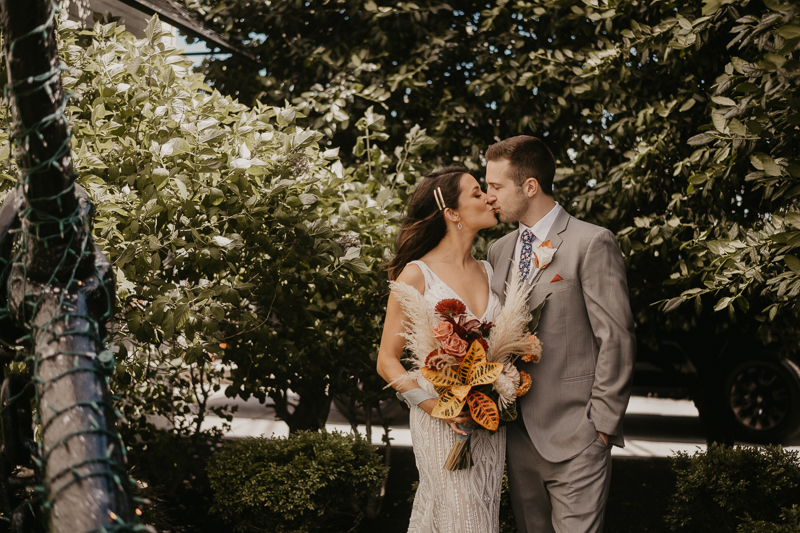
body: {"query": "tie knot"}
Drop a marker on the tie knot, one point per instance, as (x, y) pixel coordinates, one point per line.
(527, 236)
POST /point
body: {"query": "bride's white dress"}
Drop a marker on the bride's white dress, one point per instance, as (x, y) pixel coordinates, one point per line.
(466, 501)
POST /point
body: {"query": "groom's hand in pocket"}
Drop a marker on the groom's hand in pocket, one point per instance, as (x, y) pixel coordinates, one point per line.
(604, 437)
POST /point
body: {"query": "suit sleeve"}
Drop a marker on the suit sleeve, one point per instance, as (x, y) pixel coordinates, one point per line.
(605, 291)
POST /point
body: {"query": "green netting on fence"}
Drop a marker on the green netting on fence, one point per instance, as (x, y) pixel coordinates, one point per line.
(50, 314)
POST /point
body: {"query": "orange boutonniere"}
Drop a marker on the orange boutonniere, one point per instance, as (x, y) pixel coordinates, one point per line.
(543, 254)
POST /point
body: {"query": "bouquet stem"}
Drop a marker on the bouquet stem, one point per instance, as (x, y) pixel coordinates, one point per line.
(460, 457)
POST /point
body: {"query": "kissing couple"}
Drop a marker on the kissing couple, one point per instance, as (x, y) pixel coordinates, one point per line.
(558, 444)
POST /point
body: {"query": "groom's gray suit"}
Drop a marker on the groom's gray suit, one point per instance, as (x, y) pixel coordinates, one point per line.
(559, 468)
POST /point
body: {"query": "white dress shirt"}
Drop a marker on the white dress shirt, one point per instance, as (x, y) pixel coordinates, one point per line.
(540, 231)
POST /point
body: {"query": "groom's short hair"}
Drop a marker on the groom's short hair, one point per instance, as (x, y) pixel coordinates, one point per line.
(528, 157)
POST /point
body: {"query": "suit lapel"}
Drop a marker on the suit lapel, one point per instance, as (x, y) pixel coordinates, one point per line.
(554, 236)
(502, 269)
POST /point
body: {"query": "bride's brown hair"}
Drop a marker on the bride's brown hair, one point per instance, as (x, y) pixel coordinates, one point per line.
(424, 225)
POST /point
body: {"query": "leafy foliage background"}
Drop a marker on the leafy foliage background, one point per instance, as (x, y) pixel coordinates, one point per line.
(674, 123)
(247, 246)
(735, 489)
(308, 482)
(242, 247)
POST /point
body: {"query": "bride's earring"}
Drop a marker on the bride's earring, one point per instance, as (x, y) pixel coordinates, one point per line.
(460, 226)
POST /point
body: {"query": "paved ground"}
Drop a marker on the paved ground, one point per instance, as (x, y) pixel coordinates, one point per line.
(654, 427)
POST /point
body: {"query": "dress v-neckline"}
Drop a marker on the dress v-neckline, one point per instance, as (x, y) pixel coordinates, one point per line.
(451, 289)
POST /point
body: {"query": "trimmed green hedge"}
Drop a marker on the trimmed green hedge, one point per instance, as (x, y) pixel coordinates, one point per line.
(744, 489)
(304, 483)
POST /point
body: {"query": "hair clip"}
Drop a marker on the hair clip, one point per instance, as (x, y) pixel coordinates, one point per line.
(437, 194)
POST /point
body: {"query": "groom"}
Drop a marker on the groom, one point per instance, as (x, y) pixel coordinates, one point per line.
(558, 450)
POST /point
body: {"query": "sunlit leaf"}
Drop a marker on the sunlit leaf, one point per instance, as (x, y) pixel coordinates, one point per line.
(475, 355)
(484, 373)
(448, 406)
(445, 377)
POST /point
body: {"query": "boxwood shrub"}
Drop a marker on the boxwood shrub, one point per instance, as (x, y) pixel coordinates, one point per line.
(745, 489)
(305, 483)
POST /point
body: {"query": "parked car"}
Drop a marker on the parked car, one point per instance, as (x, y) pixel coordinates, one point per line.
(758, 390)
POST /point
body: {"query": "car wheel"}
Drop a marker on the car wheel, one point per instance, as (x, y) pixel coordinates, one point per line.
(764, 400)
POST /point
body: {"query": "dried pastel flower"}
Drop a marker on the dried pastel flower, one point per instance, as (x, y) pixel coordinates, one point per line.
(469, 325)
(525, 386)
(436, 360)
(534, 350)
(505, 386)
(512, 373)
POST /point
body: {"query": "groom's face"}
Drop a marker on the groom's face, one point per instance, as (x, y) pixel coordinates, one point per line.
(506, 197)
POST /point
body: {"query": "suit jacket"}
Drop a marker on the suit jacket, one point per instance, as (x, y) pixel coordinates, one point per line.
(582, 383)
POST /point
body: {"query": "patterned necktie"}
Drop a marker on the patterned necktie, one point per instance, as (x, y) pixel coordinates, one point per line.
(527, 253)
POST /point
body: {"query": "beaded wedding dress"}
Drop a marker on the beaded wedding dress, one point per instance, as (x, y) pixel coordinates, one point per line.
(464, 501)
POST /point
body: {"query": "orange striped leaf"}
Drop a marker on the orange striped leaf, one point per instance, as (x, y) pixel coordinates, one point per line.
(475, 354)
(448, 406)
(484, 374)
(483, 410)
(445, 377)
(460, 391)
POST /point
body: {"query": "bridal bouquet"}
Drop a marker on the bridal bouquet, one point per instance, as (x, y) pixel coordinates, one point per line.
(472, 363)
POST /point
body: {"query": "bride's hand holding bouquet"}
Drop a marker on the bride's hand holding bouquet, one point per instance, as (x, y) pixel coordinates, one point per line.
(472, 364)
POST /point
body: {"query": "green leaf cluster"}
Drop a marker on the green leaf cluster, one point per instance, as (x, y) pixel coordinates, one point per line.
(245, 253)
(673, 123)
(308, 482)
(209, 212)
(734, 489)
(790, 523)
(749, 149)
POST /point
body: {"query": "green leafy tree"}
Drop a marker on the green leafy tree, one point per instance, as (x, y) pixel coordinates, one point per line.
(208, 212)
(242, 247)
(673, 124)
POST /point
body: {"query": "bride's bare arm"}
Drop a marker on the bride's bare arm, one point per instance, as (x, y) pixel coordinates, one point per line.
(392, 344)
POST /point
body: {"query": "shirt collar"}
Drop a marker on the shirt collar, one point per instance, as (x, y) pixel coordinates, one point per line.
(542, 228)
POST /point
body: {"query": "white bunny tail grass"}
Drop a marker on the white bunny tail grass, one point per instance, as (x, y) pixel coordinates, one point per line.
(408, 377)
(509, 335)
(418, 323)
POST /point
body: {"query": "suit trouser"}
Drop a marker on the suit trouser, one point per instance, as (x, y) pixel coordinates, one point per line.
(566, 497)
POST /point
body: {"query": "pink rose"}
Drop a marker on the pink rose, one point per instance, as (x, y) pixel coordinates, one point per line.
(442, 330)
(454, 346)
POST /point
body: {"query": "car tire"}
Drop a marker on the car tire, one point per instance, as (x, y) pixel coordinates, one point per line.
(763, 398)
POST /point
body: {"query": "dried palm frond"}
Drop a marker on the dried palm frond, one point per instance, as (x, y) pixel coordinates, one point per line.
(419, 319)
(509, 335)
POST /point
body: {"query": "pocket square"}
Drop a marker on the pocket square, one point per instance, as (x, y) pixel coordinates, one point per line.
(556, 278)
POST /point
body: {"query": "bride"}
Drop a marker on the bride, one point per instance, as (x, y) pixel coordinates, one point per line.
(445, 213)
